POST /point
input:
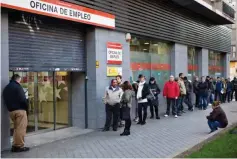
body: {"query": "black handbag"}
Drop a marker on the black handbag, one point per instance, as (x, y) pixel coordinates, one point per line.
(125, 112)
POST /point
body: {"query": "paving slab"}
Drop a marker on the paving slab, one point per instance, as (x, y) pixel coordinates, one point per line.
(163, 138)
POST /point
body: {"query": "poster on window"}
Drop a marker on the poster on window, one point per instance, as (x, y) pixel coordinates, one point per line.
(114, 71)
(114, 53)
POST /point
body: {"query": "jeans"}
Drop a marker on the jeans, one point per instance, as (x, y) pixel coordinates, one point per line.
(228, 95)
(174, 106)
(142, 107)
(213, 125)
(112, 110)
(180, 104)
(218, 96)
(197, 100)
(203, 101)
(188, 101)
(211, 98)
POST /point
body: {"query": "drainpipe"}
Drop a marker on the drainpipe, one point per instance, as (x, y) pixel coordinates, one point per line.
(86, 104)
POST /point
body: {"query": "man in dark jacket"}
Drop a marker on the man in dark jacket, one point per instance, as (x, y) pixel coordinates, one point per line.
(219, 85)
(217, 118)
(142, 93)
(196, 90)
(15, 100)
(229, 87)
(234, 92)
(188, 96)
(203, 94)
(154, 103)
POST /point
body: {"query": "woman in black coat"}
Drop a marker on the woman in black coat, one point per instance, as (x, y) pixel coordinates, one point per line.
(154, 103)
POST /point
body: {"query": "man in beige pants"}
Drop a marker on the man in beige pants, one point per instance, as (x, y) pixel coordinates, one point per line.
(15, 100)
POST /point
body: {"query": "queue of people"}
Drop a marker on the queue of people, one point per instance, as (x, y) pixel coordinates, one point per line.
(176, 91)
(119, 96)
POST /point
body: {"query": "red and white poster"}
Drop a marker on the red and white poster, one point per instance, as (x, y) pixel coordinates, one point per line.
(62, 10)
(114, 53)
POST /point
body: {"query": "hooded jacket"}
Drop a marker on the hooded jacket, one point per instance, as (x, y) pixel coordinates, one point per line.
(234, 84)
(203, 88)
(188, 87)
(195, 87)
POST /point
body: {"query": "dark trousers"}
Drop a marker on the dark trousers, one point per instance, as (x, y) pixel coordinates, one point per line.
(218, 96)
(197, 100)
(142, 107)
(228, 96)
(203, 101)
(112, 111)
(154, 104)
(128, 123)
(234, 92)
(188, 101)
(171, 101)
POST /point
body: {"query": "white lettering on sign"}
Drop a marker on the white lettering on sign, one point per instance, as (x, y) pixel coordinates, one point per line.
(62, 10)
(114, 53)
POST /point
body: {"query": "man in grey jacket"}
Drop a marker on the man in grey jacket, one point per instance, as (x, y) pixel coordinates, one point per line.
(113, 95)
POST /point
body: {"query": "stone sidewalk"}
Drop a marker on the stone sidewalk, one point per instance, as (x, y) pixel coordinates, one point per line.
(157, 139)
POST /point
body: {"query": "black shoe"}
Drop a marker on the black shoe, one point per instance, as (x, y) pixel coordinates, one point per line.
(152, 117)
(204, 108)
(139, 123)
(143, 123)
(212, 131)
(191, 109)
(115, 129)
(157, 117)
(20, 149)
(105, 129)
(179, 114)
(125, 133)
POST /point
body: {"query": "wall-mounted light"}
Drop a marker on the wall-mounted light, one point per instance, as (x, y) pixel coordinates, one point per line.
(128, 37)
(146, 43)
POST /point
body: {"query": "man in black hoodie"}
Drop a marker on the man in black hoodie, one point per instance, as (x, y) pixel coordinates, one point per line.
(188, 96)
(15, 100)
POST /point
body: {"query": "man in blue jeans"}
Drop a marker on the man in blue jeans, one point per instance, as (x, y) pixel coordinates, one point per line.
(217, 118)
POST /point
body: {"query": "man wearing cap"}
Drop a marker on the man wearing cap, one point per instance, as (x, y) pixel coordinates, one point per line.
(171, 93)
(142, 93)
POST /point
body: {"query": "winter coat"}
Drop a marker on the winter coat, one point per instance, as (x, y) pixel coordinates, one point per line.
(229, 87)
(127, 98)
(145, 91)
(188, 86)
(234, 83)
(219, 86)
(155, 89)
(171, 90)
(113, 96)
(195, 87)
(219, 115)
(182, 87)
(203, 88)
(14, 97)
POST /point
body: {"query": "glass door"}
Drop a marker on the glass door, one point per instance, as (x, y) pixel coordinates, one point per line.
(48, 99)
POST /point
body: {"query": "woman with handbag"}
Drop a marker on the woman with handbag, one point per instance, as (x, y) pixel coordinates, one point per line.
(126, 103)
(155, 90)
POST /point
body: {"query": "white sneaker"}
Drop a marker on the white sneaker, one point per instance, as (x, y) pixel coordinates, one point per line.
(166, 115)
(176, 116)
(210, 104)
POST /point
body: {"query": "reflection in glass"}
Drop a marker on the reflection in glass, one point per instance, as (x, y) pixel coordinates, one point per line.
(192, 62)
(150, 58)
(216, 64)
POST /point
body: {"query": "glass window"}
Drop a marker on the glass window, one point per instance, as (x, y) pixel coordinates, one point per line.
(233, 51)
(150, 58)
(192, 62)
(216, 64)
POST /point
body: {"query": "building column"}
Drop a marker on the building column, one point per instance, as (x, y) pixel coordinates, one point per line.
(203, 62)
(226, 71)
(179, 60)
(5, 120)
(96, 49)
